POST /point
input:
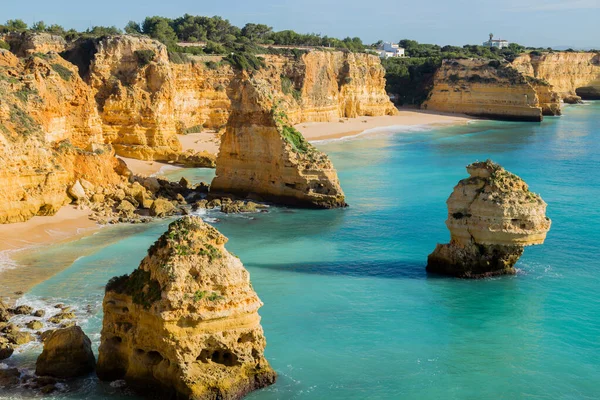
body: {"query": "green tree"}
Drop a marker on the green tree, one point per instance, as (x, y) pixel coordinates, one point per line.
(160, 29)
(132, 28)
(56, 30)
(39, 26)
(16, 25)
(256, 32)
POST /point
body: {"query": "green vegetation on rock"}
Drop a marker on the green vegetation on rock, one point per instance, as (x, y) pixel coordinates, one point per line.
(142, 289)
(64, 72)
(144, 57)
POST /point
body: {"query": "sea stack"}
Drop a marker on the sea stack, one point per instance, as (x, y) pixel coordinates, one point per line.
(185, 323)
(262, 154)
(492, 216)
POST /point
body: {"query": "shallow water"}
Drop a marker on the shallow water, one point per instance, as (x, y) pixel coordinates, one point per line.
(350, 312)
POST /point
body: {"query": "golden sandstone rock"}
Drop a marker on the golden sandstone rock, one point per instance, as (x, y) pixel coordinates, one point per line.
(492, 216)
(261, 153)
(58, 118)
(487, 89)
(569, 73)
(185, 323)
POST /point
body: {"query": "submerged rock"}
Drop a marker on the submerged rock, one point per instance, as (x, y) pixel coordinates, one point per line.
(492, 216)
(185, 323)
(67, 354)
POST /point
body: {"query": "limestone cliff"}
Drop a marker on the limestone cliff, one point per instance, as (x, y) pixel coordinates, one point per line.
(185, 323)
(262, 154)
(49, 129)
(133, 84)
(122, 91)
(488, 89)
(492, 216)
(569, 73)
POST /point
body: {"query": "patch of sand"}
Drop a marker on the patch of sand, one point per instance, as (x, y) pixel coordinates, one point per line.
(208, 141)
(198, 142)
(67, 224)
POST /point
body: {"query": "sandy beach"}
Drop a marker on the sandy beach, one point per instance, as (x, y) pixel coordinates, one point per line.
(70, 223)
(345, 127)
(67, 224)
(201, 141)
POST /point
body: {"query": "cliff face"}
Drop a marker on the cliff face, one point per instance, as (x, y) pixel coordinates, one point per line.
(123, 91)
(200, 96)
(133, 85)
(487, 89)
(44, 102)
(569, 74)
(492, 216)
(186, 321)
(29, 43)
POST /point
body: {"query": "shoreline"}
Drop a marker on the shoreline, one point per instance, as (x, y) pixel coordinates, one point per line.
(407, 119)
(70, 223)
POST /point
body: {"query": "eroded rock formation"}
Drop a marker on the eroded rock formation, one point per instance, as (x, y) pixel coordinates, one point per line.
(492, 216)
(122, 95)
(490, 89)
(262, 154)
(185, 322)
(570, 73)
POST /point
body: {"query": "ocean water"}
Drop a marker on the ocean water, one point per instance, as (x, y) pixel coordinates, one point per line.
(350, 312)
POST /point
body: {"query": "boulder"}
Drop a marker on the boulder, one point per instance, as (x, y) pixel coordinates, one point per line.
(9, 377)
(77, 192)
(4, 312)
(67, 354)
(126, 208)
(20, 338)
(39, 313)
(58, 318)
(152, 184)
(34, 325)
(492, 216)
(6, 350)
(162, 208)
(23, 310)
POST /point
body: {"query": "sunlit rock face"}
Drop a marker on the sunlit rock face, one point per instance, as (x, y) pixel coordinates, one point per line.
(492, 216)
(185, 323)
(570, 73)
(490, 89)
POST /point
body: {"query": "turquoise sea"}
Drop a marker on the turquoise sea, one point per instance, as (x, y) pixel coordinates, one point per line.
(350, 312)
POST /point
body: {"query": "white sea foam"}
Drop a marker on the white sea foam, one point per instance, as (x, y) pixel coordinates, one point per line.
(166, 168)
(6, 262)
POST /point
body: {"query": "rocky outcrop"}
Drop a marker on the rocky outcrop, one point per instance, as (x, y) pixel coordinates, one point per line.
(487, 89)
(185, 322)
(67, 353)
(28, 43)
(262, 154)
(492, 216)
(570, 73)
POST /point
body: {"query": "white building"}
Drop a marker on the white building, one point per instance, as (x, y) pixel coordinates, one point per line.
(387, 50)
(499, 43)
